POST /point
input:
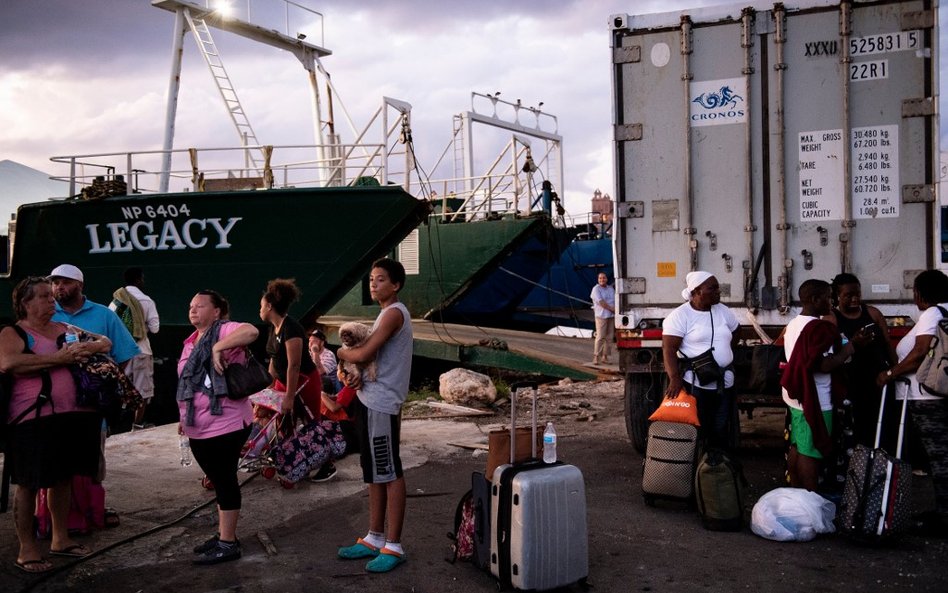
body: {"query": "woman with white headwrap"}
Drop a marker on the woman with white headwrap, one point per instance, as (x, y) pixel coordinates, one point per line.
(701, 325)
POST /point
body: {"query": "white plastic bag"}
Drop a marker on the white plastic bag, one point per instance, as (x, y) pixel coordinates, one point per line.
(792, 515)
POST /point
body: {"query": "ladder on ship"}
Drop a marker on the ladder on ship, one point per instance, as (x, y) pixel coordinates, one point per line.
(458, 143)
(212, 57)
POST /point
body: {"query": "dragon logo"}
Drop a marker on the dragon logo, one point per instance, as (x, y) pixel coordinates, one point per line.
(723, 98)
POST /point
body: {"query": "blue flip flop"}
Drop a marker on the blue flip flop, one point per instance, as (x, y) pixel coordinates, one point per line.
(360, 549)
(385, 561)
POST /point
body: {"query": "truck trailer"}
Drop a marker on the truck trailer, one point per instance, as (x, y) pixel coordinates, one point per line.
(770, 143)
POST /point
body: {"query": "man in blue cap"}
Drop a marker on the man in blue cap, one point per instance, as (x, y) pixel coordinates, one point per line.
(74, 308)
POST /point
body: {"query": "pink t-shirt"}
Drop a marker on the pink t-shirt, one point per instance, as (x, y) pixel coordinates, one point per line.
(27, 387)
(235, 414)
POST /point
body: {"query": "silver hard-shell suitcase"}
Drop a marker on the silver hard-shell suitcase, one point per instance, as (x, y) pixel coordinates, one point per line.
(670, 455)
(538, 521)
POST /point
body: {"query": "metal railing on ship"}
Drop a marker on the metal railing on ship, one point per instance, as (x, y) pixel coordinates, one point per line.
(207, 169)
(456, 199)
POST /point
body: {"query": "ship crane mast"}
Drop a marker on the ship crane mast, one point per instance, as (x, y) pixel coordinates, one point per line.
(198, 20)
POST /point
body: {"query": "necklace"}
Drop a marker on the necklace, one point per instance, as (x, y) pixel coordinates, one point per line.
(276, 329)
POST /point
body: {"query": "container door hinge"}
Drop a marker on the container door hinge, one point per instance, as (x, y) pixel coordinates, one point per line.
(627, 55)
(922, 19)
(916, 194)
(630, 285)
(628, 132)
(918, 107)
(634, 209)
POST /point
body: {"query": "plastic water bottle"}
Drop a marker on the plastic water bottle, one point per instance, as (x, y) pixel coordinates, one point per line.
(71, 335)
(185, 445)
(549, 443)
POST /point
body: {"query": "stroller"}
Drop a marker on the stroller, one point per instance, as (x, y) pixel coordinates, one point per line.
(268, 423)
(270, 428)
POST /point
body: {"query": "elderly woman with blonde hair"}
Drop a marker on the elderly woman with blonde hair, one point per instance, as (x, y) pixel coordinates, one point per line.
(698, 352)
(52, 438)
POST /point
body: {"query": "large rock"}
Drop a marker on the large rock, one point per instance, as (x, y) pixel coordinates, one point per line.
(467, 388)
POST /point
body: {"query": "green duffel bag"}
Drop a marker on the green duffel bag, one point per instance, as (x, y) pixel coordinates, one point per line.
(718, 491)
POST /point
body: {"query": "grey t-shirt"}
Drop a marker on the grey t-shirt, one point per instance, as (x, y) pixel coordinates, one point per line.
(388, 392)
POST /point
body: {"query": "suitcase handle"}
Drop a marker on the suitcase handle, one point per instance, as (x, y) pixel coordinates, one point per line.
(532, 385)
(895, 395)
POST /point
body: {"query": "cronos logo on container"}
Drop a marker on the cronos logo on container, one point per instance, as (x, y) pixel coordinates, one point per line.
(718, 102)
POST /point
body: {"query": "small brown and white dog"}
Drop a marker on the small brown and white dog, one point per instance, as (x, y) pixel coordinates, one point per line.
(352, 335)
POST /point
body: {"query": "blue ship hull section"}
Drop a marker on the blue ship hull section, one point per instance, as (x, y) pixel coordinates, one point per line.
(562, 294)
(495, 298)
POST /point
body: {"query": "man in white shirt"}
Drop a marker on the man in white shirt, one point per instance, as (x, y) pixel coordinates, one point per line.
(603, 298)
(140, 315)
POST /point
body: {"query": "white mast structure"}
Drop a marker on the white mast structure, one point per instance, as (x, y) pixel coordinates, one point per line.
(197, 20)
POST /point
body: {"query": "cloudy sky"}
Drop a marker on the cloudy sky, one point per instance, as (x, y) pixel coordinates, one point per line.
(79, 77)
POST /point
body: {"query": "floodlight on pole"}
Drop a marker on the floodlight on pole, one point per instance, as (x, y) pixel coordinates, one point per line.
(224, 8)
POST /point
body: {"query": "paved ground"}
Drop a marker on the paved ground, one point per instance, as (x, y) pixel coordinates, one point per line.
(632, 547)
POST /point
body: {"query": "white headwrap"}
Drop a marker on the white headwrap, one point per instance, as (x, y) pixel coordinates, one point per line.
(694, 280)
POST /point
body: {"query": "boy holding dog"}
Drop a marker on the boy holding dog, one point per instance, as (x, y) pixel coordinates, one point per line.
(377, 410)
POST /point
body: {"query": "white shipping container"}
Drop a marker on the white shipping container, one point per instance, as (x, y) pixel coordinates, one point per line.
(771, 143)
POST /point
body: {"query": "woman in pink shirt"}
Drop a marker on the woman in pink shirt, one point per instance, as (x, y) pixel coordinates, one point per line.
(51, 438)
(216, 425)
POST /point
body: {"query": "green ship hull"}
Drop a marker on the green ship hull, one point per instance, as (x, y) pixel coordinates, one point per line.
(232, 242)
(457, 260)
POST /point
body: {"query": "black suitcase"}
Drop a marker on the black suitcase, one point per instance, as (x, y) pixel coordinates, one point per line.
(876, 501)
(480, 489)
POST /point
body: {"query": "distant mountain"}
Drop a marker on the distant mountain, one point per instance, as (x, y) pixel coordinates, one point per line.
(20, 184)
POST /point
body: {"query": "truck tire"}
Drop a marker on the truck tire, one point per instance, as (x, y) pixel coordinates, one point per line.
(643, 393)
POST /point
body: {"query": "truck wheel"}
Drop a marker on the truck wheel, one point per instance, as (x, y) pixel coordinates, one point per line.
(643, 393)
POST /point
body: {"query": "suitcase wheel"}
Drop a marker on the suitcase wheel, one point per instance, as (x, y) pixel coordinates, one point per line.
(268, 472)
(649, 499)
(287, 484)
